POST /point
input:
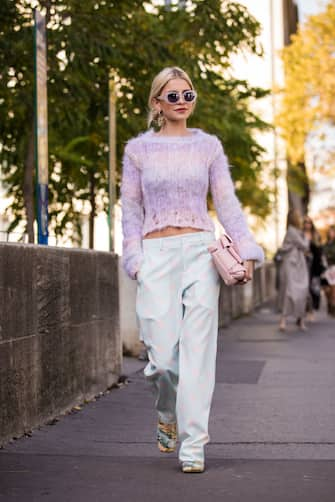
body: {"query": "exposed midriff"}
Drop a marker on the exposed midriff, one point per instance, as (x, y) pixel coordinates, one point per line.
(168, 231)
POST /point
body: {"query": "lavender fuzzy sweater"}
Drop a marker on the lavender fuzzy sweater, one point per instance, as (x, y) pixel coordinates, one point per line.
(165, 180)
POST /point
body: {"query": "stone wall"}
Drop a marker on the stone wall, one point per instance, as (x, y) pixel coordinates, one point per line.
(241, 300)
(59, 331)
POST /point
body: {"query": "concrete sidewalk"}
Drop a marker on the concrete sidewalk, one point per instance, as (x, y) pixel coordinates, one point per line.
(272, 431)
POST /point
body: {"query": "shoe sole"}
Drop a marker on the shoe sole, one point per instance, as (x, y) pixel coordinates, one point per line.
(193, 470)
(163, 449)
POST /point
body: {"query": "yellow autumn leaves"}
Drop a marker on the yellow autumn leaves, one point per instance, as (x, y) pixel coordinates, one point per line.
(308, 99)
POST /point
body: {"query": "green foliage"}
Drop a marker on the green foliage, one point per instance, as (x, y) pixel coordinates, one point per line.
(87, 40)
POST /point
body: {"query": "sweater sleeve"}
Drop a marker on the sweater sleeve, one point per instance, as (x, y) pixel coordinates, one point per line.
(132, 214)
(228, 207)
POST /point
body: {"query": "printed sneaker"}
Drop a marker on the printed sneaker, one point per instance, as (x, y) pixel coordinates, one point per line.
(167, 437)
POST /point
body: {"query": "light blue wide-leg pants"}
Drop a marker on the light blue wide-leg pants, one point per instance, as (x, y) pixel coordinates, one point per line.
(177, 312)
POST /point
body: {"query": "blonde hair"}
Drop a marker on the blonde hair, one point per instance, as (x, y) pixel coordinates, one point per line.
(158, 83)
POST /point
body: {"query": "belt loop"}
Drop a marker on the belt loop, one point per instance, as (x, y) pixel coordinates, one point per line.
(161, 243)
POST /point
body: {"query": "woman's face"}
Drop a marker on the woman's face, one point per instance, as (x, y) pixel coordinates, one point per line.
(180, 110)
(308, 225)
(331, 234)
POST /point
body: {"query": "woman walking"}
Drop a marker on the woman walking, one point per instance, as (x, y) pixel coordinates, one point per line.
(167, 172)
(315, 263)
(328, 280)
(294, 275)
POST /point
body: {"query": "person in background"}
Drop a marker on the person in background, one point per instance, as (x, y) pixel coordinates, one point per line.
(328, 276)
(294, 276)
(315, 265)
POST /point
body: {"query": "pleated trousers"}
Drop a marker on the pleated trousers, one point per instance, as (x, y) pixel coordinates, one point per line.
(177, 313)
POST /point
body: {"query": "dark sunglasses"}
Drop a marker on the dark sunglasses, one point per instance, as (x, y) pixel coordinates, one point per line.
(174, 97)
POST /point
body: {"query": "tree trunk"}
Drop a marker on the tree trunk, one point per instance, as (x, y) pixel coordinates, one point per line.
(93, 208)
(28, 187)
(298, 187)
(47, 5)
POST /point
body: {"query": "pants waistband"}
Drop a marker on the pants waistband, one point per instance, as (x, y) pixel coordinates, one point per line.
(179, 240)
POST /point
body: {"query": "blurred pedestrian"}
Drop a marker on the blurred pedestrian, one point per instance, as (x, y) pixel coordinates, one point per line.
(328, 278)
(294, 280)
(166, 231)
(277, 260)
(315, 263)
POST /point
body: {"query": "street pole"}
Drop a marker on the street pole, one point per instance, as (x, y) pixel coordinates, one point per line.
(41, 125)
(275, 138)
(112, 161)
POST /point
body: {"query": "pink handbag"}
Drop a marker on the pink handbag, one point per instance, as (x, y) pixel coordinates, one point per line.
(228, 262)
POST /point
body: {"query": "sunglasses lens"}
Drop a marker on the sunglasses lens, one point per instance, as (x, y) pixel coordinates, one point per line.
(173, 97)
(189, 96)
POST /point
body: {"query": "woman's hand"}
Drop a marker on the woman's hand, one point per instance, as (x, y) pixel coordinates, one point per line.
(249, 265)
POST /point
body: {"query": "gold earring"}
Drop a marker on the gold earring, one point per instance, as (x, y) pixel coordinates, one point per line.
(160, 119)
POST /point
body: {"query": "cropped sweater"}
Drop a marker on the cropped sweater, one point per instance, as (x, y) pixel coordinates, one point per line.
(165, 181)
